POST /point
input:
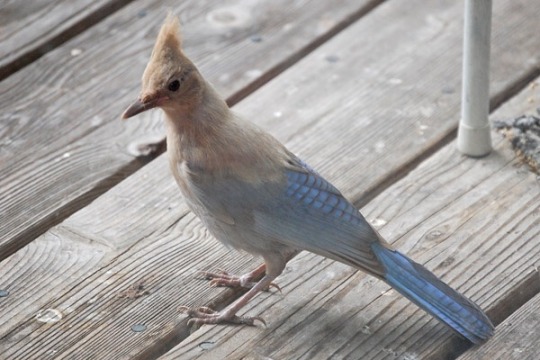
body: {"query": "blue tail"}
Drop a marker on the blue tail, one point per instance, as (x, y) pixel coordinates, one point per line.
(424, 289)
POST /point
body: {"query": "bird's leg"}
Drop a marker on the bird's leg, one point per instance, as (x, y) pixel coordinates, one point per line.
(205, 315)
(248, 281)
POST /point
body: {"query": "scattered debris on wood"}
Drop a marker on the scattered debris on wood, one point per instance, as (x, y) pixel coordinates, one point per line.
(134, 291)
(524, 134)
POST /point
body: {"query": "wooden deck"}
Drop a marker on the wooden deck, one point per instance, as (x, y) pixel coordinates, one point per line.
(98, 248)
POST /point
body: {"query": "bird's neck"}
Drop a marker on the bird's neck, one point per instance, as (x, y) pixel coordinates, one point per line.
(195, 129)
(200, 119)
(211, 141)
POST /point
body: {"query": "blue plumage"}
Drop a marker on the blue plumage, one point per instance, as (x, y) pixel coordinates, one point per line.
(310, 189)
(424, 289)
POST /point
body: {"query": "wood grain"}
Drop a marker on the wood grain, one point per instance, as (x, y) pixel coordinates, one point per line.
(473, 222)
(30, 29)
(72, 161)
(62, 143)
(516, 338)
(144, 235)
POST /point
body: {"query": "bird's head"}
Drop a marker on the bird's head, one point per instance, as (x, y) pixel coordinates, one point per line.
(170, 81)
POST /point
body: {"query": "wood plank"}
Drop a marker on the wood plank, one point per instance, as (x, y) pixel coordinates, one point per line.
(30, 29)
(516, 338)
(63, 143)
(474, 222)
(136, 224)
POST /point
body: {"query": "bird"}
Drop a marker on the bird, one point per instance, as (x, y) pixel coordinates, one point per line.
(255, 195)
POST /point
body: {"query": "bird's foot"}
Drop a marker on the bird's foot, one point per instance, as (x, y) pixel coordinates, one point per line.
(221, 278)
(205, 315)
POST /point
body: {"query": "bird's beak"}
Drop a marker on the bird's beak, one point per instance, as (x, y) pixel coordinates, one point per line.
(142, 105)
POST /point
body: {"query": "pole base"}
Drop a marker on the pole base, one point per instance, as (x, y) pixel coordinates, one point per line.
(474, 142)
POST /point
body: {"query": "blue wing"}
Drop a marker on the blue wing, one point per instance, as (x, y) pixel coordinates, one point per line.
(311, 214)
(310, 190)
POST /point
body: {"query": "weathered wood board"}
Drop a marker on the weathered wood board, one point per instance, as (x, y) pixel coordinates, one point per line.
(62, 143)
(516, 338)
(473, 222)
(137, 231)
(29, 29)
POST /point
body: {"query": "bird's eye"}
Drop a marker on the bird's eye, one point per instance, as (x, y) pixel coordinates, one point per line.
(174, 85)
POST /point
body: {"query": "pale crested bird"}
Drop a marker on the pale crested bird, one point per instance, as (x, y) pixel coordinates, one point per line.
(255, 195)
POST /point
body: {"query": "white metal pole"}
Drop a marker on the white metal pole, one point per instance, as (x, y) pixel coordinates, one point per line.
(474, 135)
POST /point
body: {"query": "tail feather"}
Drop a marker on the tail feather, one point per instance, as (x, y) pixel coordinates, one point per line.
(424, 289)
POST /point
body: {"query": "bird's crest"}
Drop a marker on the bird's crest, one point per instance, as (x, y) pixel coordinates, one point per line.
(167, 53)
(169, 35)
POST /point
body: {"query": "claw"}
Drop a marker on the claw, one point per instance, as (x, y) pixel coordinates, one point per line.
(275, 286)
(260, 319)
(205, 315)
